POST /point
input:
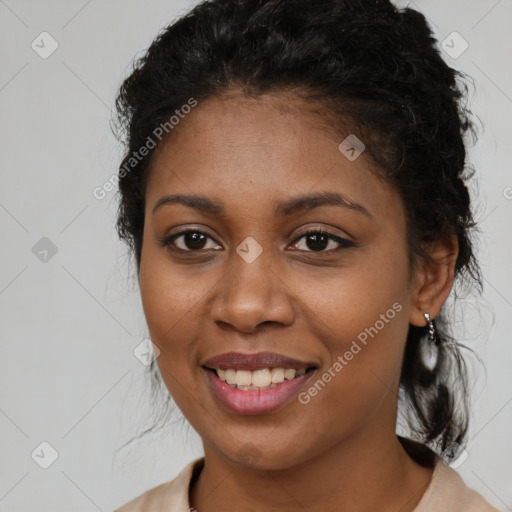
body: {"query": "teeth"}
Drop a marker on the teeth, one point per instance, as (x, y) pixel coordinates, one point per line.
(265, 378)
(230, 376)
(243, 378)
(289, 374)
(277, 375)
(261, 378)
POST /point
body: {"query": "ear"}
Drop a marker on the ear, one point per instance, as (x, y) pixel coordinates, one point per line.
(433, 280)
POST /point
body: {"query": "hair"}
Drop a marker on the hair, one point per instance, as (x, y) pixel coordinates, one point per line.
(373, 67)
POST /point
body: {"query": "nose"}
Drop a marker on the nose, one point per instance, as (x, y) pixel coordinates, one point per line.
(251, 294)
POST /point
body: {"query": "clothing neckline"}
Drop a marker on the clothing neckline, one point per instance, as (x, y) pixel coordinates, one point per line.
(194, 468)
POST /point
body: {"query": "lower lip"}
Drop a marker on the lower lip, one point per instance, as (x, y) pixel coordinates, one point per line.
(256, 401)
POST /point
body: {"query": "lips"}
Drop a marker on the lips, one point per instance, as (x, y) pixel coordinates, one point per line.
(257, 361)
(223, 370)
(254, 402)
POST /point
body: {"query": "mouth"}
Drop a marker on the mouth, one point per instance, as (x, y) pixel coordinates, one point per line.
(260, 391)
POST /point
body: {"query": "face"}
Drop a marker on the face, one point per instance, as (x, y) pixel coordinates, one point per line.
(255, 275)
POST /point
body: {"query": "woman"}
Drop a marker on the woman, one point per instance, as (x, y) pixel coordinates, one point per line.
(294, 193)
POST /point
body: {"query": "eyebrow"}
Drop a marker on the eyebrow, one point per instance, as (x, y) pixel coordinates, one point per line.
(282, 208)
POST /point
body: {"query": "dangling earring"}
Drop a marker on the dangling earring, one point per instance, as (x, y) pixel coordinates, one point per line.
(430, 344)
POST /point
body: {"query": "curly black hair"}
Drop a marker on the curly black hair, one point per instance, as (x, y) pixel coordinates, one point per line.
(365, 62)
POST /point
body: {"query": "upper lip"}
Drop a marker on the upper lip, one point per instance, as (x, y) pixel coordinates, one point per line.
(257, 361)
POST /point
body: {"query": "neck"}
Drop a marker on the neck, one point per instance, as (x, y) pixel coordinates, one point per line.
(369, 471)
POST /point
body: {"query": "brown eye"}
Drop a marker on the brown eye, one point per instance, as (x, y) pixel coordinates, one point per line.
(191, 240)
(318, 240)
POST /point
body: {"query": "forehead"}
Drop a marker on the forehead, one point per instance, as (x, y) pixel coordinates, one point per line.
(270, 122)
(259, 149)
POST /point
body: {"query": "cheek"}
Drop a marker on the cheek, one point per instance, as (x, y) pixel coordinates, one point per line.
(168, 293)
(363, 344)
(361, 315)
(364, 338)
(169, 300)
(365, 294)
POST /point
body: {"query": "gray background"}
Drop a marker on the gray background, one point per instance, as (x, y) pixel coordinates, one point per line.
(68, 373)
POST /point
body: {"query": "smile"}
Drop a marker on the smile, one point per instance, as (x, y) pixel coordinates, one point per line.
(256, 392)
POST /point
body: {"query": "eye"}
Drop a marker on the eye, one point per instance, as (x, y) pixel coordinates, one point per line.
(318, 239)
(192, 240)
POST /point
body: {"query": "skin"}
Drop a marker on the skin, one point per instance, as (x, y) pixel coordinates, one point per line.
(339, 451)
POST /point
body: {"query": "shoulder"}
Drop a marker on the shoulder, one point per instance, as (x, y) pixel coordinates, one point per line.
(448, 492)
(172, 495)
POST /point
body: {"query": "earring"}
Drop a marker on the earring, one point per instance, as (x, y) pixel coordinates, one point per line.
(430, 344)
(433, 335)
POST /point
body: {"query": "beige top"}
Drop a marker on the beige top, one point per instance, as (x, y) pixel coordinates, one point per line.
(446, 492)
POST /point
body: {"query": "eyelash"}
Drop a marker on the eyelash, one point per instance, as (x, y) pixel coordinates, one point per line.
(344, 243)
